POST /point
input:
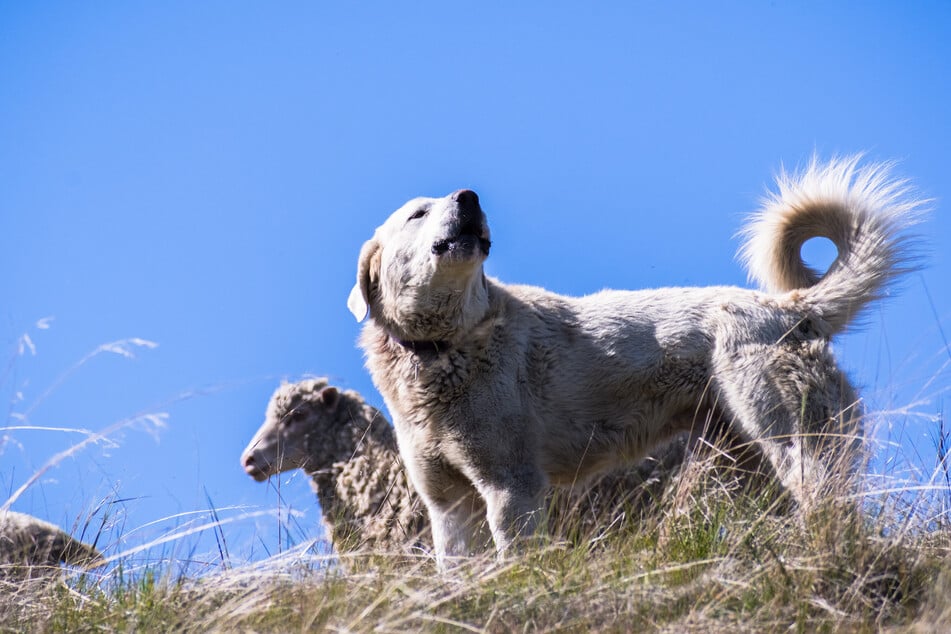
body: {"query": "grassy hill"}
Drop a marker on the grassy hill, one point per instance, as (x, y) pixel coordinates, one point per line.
(703, 557)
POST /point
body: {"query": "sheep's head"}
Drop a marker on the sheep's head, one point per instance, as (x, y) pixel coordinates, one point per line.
(298, 415)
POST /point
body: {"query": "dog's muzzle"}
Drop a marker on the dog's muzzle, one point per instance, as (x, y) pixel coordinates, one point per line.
(470, 231)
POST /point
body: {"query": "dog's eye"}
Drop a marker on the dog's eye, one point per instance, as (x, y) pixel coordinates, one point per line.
(419, 213)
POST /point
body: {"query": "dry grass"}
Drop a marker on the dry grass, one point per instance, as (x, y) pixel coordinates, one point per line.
(710, 558)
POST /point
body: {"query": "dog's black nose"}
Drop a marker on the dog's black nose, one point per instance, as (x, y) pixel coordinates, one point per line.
(466, 198)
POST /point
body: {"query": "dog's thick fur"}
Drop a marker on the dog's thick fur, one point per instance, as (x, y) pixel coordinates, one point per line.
(497, 390)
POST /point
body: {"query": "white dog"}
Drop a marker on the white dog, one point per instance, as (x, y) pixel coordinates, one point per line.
(498, 390)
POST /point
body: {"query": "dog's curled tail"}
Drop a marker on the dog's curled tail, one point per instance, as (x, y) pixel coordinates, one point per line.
(862, 210)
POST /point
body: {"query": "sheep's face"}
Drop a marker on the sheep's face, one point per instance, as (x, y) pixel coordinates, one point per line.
(297, 414)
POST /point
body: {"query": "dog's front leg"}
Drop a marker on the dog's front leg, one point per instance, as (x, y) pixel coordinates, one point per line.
(456, 510)
(457, 527)
(514, 506)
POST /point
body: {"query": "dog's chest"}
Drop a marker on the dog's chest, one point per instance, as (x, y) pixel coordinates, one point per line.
(440, 392)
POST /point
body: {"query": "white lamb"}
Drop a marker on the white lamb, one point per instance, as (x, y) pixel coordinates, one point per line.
(349, 449)
(30, 547)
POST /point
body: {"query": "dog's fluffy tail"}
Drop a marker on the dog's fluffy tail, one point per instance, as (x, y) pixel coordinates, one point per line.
(861, 209)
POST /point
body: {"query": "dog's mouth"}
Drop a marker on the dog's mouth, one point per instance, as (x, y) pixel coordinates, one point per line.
(462, 243)
(470, 238)
(468, 235)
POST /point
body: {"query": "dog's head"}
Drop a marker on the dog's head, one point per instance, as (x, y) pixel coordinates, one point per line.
(423, 266)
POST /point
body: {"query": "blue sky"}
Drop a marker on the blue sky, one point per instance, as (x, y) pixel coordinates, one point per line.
(202, 175)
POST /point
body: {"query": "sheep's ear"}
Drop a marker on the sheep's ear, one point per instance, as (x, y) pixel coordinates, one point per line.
(368, 273)
(329, 396)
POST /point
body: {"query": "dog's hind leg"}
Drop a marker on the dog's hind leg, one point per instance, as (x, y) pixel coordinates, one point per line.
(791, 400)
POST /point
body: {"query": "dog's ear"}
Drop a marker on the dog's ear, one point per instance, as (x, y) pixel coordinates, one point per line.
(368, 274)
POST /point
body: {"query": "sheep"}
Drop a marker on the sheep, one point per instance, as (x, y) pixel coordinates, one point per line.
(349, 449)
(30, 547)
